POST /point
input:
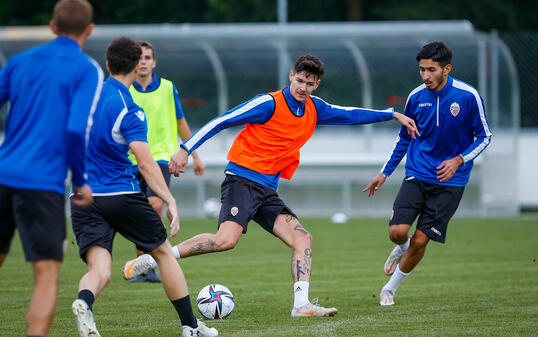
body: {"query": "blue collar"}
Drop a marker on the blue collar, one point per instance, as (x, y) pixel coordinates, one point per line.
(296, 107)
(117, 84)
(67, 41)
(151, 87)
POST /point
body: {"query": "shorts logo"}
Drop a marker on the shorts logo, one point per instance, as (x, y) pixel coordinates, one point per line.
(454, 109)
(391, 215)
(433, 229)
(234, 210)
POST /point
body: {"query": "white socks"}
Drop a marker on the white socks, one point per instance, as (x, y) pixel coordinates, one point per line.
(405, 246)
(176, 252)
(300, 289)
(395, 280)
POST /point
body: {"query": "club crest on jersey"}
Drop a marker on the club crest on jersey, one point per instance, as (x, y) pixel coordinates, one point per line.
(454, 109)
(234, 210)
(140, 115)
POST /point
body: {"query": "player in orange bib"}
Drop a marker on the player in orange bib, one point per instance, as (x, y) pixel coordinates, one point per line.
(278, 124)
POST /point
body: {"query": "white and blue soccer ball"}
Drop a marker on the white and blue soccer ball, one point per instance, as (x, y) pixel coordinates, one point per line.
(211, 208)
(215, 301)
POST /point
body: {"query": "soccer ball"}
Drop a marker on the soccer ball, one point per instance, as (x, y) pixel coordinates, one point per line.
(211, 207)
(215, 301)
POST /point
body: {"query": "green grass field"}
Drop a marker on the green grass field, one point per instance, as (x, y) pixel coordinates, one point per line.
(482, 282)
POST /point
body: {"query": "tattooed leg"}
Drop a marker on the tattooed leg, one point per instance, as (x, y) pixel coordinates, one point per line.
(226, 238)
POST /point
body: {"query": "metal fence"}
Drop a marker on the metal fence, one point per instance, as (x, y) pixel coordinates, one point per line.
(218, 66)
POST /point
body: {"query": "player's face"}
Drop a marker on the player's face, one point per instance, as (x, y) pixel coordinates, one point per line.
(147, 63)
(433, 75)
(302, 84)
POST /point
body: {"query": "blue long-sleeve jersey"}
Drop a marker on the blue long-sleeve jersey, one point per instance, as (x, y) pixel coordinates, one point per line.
(260, 109)
(52, 90)
(451, 122)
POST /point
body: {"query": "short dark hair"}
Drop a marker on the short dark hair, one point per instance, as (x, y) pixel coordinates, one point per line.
(146, 44)
(437, 51)
(123, 55)
(310, 64)
(72, 16)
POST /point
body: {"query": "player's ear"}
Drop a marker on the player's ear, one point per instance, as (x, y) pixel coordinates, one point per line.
(53, 27)
(89, 29)
(291, 75)
(447, 68)
(107, 66)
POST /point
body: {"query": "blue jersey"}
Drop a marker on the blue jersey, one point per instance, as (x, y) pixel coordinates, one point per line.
(117, 122)
(451, 122)
(52, 90)
(260, 109)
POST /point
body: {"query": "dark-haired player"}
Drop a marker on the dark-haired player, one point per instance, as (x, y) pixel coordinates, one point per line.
(119, 206)
(451, 118)
(52, 90)
(278, 124)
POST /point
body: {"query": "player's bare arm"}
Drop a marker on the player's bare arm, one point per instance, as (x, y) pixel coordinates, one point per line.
(448, 167)
(375, 184)
(409, 123)
(178, 162)
(154, 177)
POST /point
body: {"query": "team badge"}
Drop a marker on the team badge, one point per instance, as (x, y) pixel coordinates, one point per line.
(454, 109)
(234, 210)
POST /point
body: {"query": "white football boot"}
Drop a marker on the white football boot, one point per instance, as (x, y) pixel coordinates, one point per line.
(312, 309)
(201, 331)
(138, 266)
(386, 298)
(84, 317)
(393, 259)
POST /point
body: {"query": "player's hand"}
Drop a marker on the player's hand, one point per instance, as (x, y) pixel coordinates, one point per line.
(446, 170)
(178, 162)
(171, 213)
(409, 123)
(82, 196)
(375, 184)
(199, 166)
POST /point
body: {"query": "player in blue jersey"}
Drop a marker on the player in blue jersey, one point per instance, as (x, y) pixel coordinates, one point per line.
(120, 126)
(278, 124)
(52, 90)
(451, 117)
(160, 100)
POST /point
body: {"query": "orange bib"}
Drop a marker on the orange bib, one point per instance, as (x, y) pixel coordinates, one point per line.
(274, 146)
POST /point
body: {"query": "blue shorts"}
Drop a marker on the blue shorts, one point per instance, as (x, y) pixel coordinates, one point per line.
(243, 200)
(39, 216)
(129, 214)
(434, 204)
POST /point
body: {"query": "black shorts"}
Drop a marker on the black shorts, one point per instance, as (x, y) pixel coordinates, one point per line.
(436, 204)
(39, 217)
(243, 200)
(144, 187)
(129, 214)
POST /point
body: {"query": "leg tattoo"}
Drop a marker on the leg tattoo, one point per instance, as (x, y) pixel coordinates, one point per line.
(203, 248)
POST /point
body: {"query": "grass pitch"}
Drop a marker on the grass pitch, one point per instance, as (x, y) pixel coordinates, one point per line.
(482, 282)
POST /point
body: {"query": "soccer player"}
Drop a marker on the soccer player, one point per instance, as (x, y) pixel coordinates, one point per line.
(160, 100)
(52, 90)
(119, 206)
(278, 124)
(451, 117)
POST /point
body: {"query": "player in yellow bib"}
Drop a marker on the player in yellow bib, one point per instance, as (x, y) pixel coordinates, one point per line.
(160, 100)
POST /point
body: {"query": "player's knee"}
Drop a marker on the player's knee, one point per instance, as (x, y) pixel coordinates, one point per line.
(157, 204)
(303, 239)
(397, 234)
(419, 241)
(225, 243)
